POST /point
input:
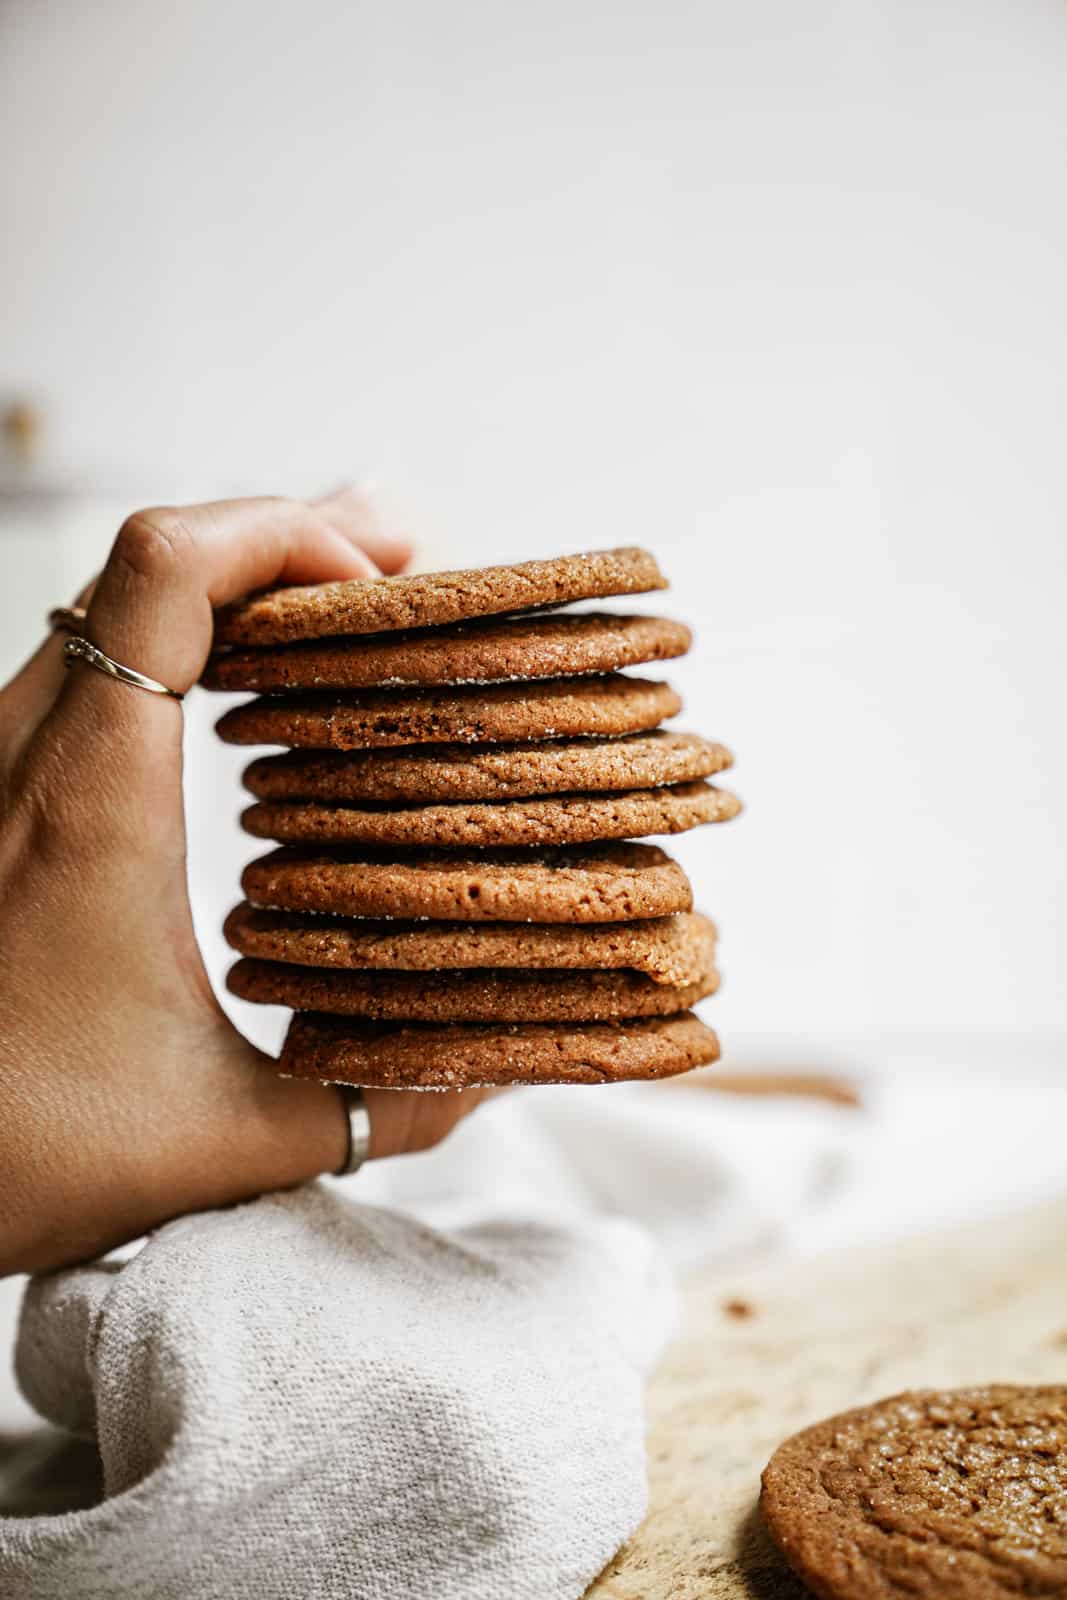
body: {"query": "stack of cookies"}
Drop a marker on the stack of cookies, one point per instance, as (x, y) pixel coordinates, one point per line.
(456, 898)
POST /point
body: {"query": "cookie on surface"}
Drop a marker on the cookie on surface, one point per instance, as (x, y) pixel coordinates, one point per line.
(378, 1055)
(381, 605)
(559, 819)
(670, 950)
(937, 1495)
(549, 708)
(467, 995)
(557, 645)
(608, 883)
(433, 773)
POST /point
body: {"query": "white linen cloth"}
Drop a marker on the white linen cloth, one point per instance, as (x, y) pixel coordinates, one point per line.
(316, 1395)
(311, 1395)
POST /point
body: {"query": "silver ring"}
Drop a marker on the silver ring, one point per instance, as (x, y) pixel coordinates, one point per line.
(67, 619)
(79, 649)
(358, 1119)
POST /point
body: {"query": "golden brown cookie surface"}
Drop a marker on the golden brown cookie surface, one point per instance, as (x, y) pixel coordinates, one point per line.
(344, 1050)
(672, 950)
(498, 650)
(466, 995)
(550, 708)
(425, 774)
(610, 883)
(558, 819)
(431, 599)
(937, 1495)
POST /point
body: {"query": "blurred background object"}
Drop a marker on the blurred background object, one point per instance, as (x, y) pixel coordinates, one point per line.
(52, 530)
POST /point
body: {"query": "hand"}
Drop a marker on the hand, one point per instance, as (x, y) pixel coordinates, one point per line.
(126, 1096)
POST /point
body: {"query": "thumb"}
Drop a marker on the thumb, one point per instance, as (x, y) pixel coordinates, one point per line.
(152, 611)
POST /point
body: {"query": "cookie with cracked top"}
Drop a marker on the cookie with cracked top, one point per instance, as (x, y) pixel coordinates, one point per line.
(465, 1055)
(956, 1494)
(557, 819)
(497, 650)
(467, 995)
(438, 773)
(549, 708)
(421, 600)
(670, 950)
(604, 883)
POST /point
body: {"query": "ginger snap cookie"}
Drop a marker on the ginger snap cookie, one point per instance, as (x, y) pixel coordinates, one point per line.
(469, 995)
(559, 819)
(607, 883)
(936, 1495)
(469, 713)
(430, 774)
(498, 650)
(431, 599)
(670, 950)
(377, 1055)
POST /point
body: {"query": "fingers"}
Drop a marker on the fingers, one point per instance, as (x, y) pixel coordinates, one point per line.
(169, 568)
(152, 608)
(286, 1130)
(283, 1131)
(355, 512)
(403, 1122)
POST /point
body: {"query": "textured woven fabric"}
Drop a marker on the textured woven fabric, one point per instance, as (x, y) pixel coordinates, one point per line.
(311, 1396)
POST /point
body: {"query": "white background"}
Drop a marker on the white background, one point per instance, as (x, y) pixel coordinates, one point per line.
(776, 289)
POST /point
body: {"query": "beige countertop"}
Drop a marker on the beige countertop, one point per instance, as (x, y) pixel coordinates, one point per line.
(767, 1350)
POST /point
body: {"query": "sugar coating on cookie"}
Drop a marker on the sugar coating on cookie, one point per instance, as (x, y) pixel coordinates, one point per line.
(425, 774)
(607, 883)
(562, 819)
(496, 650)
(355, 606)
(344, 1050)
(670, 950)
(551, 708)
(457, 899)
(470, 995)
(959, 1492)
